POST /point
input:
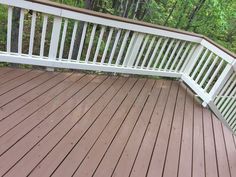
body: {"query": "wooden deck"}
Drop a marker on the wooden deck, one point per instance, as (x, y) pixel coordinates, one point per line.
(74, 124)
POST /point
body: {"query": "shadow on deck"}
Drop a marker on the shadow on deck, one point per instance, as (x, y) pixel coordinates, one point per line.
(64, 124)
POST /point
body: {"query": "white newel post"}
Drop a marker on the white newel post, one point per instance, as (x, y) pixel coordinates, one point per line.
(56, 29)
(193, 59)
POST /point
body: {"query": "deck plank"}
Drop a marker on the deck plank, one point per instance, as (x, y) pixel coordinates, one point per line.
(64, 124)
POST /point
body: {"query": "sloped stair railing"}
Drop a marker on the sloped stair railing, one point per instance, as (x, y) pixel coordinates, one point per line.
(114, 44)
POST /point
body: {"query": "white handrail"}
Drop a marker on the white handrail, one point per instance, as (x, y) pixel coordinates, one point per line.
(113, 44)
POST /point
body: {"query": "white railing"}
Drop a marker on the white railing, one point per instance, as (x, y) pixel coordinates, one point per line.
(113, 44)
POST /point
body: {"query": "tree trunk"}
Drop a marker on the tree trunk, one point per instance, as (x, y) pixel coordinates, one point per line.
(171, 12)
(194, 13)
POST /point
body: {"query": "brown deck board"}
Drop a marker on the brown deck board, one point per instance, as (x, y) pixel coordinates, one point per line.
(73, 124)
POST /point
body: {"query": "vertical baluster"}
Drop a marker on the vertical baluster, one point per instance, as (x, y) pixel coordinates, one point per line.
(160, 53)
(43, 36)
(148, 52)
(63, 39)
(172, 55)
(130, 48)
(9, 28)
(99, 44)
(204, 67)
(208, 71)
(141, 51)
(190, 54)
(90, 43)
(202, 59)
(21, 26)
(228, 101)
(166, 54)
(214, 75)
(73, 40)
(154, 52)
(114, 47)
(230, 116)
(228, 92)
(122, 48)
(56, 29)
(224, 91)
(107, 45)
(82, 41)
(177, 56)
(32, 32)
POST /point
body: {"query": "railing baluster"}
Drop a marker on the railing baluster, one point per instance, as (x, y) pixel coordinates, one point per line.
(166, 54)
(148, 52)
(221, 81)
(90, 43)
(154, 52)
(63, 37)
(213, 75)
(202, 59)
(141, 51)
(114, 47)
(99, 44)
(56, 29)
(227, 102)
(225, 90)
(122, 48)
(208, 71)
(192, 61)
(9, 28)
(21, 26)
(82, 41)
(177, 56)
(204, 67)
(160, 54)
(32, 33)
(44, 29)
(107, 45)
(172, 55)
(72, 43)
(185, 63)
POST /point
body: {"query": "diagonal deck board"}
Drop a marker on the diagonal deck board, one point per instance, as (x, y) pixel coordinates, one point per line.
(64, 124)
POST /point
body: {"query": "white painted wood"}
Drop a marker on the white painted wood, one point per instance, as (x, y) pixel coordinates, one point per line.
(141, 51)
(107, 46)
(63, 37)
(32, 33)
(82, 41)
(135, 49)
(90, 43)
(129, 50)
(166, 54)
(154, 52)
(99, 44)
(9, 28)
(55, 38)
(221, 81)
(227, 102)
(177, 56)
(204, 67)
(43, 36)
(214, 75)
(225, 90)
(172, 55)
(148, 52)
(122, 48)
(114, 46)
(199, 65)
(21, 26)
(209, 70)
(194, 57)
(160, 54)
(72, 43)
(89, 66)
(187, 60)
(218, 51)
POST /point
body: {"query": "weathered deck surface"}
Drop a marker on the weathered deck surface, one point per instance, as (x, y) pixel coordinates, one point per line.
(73, 124)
